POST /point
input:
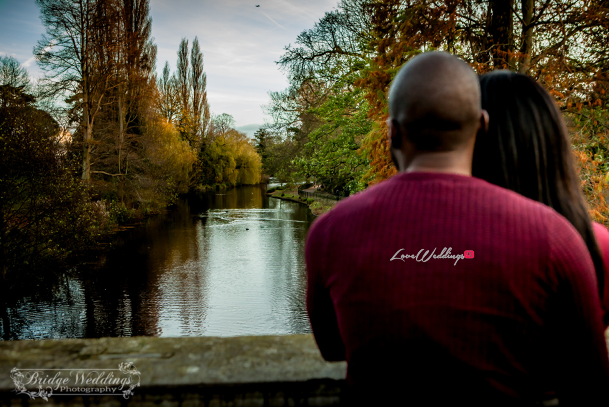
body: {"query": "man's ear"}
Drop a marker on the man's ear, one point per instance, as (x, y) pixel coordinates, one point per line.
(484, 120)
(394, 134)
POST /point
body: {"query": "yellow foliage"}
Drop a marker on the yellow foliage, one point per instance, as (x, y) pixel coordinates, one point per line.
(168, 152)
(233, 160)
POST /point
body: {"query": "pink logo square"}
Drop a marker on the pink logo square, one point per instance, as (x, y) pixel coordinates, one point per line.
(469, 254)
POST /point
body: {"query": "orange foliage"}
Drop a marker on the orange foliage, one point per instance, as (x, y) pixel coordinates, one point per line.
(577, 77)
(398, 35)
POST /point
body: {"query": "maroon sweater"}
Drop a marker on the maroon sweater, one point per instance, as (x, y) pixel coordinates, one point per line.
(518, 320)
(602, 238)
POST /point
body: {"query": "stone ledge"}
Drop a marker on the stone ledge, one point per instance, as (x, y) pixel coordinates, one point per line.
(260, 370)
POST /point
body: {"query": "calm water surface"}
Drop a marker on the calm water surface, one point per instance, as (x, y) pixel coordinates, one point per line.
(218, 264)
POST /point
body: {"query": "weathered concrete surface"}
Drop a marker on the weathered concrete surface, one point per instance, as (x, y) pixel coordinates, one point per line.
(261, 370)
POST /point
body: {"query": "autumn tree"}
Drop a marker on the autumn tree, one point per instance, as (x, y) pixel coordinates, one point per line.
(399, 30)
(189, 88)
(183, 89)
(136, 61)
(72, 55)
(168, 102)
(200, 107)
(228, 158)
(561, 43)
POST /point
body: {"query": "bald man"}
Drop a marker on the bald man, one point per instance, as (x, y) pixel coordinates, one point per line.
(439, 288)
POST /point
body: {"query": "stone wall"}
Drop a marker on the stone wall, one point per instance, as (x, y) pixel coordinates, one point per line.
(238, 371)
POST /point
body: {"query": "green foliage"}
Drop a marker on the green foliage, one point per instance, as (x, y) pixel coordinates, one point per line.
(120, 214)
(331, 153)
(262, 141)
(280, 153)
(590, 137)
(322, 117)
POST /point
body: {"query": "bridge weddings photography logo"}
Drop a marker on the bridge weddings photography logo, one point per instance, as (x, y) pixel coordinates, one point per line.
(45, 383)
(424, 255)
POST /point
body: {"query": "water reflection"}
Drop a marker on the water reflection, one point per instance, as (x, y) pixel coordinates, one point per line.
(219, 264)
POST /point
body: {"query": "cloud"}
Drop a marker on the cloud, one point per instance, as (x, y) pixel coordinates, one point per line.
(267, 16)
(28, 62)
(298, 10)
(239, 46)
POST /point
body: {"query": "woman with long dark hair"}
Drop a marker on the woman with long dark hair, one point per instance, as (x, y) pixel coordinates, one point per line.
(527, 149)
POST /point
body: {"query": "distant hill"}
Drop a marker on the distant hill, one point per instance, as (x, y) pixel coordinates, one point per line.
(249, 129)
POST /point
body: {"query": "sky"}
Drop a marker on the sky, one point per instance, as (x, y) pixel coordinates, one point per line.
(240, 44)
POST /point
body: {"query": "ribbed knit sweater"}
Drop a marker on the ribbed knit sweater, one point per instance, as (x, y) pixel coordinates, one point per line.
(602, 238)
(393, 289)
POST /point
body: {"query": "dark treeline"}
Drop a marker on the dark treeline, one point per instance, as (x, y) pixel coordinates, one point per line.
(330, 123)
(101, 140)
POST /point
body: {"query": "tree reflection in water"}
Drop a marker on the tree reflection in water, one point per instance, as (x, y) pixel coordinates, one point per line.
(217, 264)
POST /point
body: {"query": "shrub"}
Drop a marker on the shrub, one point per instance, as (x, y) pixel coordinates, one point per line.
(120, 214)
(47, 213)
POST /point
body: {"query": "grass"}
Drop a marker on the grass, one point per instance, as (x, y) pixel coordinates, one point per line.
(291, 194)
(319, 208)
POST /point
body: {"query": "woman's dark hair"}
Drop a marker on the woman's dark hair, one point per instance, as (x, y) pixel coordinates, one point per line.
(527, 150)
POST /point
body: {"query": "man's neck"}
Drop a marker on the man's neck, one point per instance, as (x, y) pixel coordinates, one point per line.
(447, 162)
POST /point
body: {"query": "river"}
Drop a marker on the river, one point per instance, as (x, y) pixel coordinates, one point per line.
(224, 263)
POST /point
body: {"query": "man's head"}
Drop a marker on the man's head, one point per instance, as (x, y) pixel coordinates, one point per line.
(434, 107)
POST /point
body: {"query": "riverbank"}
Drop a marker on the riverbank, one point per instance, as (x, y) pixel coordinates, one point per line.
(317, 207)
(225, 186)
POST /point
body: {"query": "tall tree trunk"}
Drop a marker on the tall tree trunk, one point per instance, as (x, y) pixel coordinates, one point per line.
(84, 65)
(501, 31)
(121, 138)
(482, 53)
(527, 35)
(121, 126)
(86, 153)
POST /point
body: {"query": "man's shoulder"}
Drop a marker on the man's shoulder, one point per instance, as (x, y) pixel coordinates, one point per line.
(500, 204)
(377, 195)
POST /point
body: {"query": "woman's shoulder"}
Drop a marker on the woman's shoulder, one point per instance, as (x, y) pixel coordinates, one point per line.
(601, 233)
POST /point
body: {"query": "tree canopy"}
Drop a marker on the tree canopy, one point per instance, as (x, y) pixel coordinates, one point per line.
(340, 70)
(101, 139)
